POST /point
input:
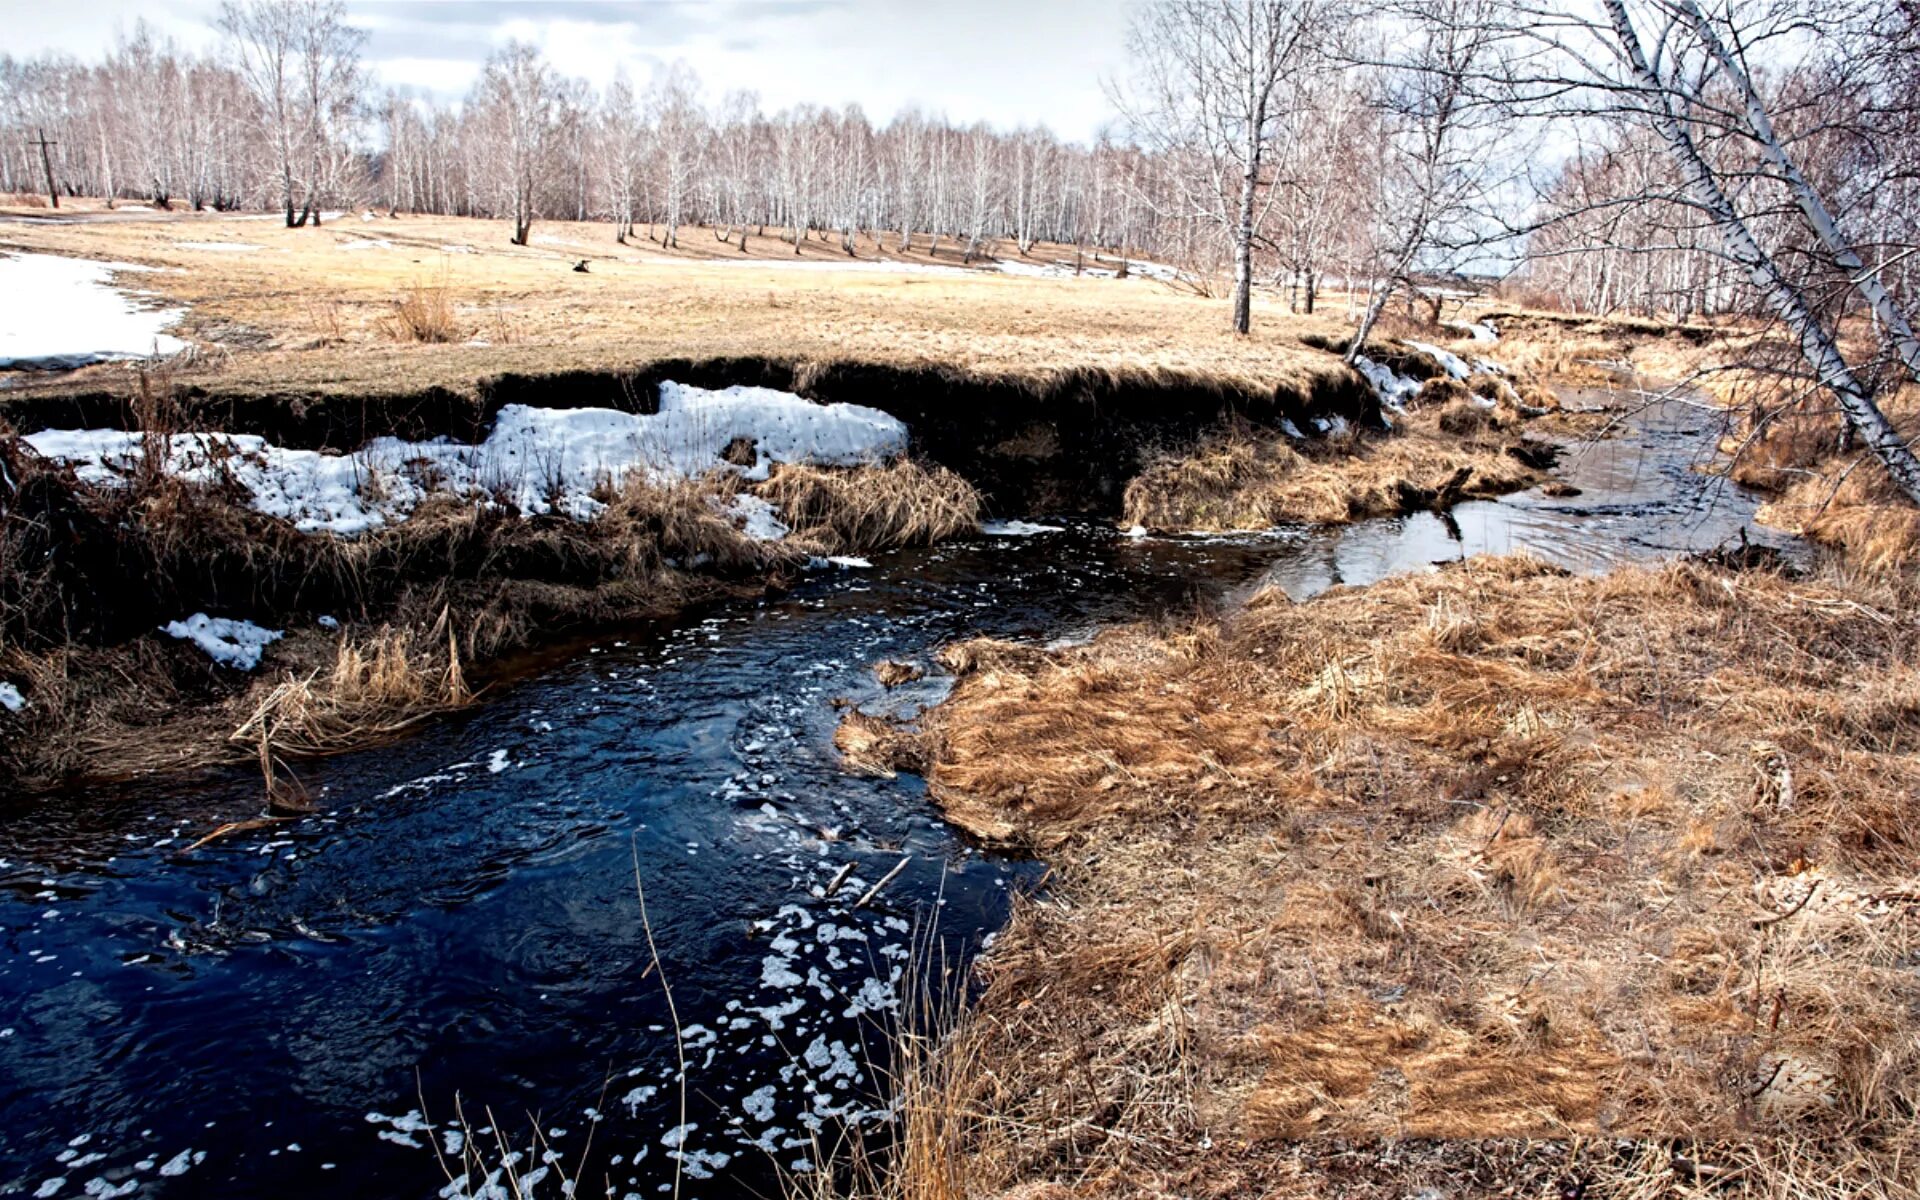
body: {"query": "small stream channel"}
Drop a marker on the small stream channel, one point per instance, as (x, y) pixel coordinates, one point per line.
(282, 1012)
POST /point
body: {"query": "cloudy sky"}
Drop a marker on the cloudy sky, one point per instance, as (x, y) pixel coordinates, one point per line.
(1008, 62)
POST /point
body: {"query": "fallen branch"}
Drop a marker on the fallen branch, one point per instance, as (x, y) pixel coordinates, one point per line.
(886, 879)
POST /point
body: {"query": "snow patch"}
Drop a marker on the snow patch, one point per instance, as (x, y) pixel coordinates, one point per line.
(11, 699)
(758, 519)
(59, 313)
(538, 460)
(230, 643)
(1479, 331)
(1394, 390)
(1449, 362)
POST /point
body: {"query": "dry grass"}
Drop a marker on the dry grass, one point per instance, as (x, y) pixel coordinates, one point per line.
(376, 689)
(424, 314)
(1245, 479)
(1833, 495)
(86, 574)
(878, 506)
(1490, 854)
(308, 312)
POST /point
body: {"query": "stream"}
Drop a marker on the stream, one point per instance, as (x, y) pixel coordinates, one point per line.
(457, 933)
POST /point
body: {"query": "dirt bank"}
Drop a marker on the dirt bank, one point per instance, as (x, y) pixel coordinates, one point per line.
(1491, 854)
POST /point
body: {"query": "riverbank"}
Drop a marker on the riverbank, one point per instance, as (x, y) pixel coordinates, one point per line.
(1490, 854)
(383, 617)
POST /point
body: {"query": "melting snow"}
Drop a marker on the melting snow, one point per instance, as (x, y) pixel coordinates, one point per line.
(758, 519)
(538, 459)
(58, 313)
(1393, 389)
(1479, 331)
(1449, 362)
(230, 643)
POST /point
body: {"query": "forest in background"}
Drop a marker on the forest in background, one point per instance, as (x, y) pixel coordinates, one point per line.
(284, 114)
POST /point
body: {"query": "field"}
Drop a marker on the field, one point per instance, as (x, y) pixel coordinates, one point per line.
(318, 311)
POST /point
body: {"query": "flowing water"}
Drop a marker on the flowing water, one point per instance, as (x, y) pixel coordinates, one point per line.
(306, 1007)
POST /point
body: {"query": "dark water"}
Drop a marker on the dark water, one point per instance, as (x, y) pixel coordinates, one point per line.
(284, 1011)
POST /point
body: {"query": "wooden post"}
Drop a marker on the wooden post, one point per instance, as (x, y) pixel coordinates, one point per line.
(46, 163)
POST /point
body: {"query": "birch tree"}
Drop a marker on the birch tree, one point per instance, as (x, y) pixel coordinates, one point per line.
(1434, 170)
(1679, 72)
(515, 99)
(301, 61)
(1204, 99)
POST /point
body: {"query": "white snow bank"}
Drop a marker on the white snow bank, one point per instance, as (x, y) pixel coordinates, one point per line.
(695, 425)
(11, 699)
(1017, 528)
(59, 313)
(1394, 390)
(234, 644)
(537, 460)
(1449, 362)
(1479, 331)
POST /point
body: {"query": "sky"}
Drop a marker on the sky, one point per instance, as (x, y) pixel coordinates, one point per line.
(1007, 62)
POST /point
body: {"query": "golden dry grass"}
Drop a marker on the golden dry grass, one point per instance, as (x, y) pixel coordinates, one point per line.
(1490, 854)
(1246, 479)
(455, 588)
(874, 507)
(309, 311)
(1836, 496)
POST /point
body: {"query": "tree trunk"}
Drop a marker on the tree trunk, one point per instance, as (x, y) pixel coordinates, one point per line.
(1817, 345)
(1897, 331)
(1243, 244)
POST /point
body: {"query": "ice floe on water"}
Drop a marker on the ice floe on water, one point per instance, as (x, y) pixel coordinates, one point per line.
(1017, 528)
(58, 313)
(230, 643)
(538, 460)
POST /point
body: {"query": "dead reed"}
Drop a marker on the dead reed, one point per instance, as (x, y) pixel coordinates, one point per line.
(878, 506)
(1242, 478)
(424, 314)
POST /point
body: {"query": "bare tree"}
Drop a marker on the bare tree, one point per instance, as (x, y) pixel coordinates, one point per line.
(1676, 71)
(301, 60)
(1433, 176)
(622, 137)
(680, 140)
(515, 98)
(1204, 99)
